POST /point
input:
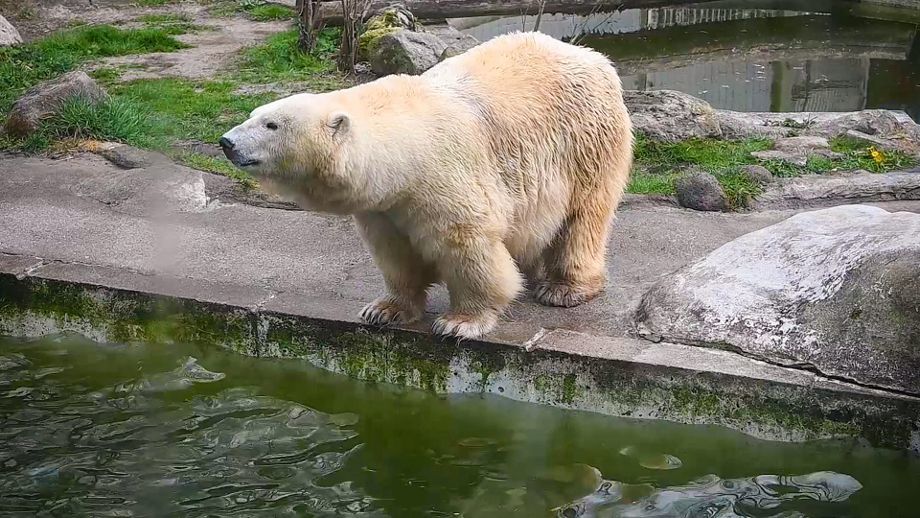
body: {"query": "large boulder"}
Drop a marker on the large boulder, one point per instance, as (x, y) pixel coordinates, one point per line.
(835, 290)
(8, 34)
(671, 116)
(405, 52)
(47, 98)
(385, 22)
(457, 42)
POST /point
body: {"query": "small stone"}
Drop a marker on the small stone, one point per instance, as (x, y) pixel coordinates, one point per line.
(44, 99)
(127, 157)
(799, 159)
(9, 36)
(758, 174)
(797, 150)
(701, 191)
(800, 143)
(405, 52)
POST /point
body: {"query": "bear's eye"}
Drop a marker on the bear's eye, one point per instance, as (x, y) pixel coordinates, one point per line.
(272, 126)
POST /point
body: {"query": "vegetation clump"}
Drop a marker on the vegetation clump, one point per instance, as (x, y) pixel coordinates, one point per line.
(659, 164)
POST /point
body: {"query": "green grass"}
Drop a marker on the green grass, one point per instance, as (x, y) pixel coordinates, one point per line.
(270, 12)
(24, 66)
(113, 120)
(156, 114)
(278, 59)
(188, 110)
(153, 3)
(170, 23)
(659, 164)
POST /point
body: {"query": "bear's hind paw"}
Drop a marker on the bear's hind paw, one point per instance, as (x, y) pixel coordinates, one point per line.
(386, 311)
(465, 326)
(563, 295)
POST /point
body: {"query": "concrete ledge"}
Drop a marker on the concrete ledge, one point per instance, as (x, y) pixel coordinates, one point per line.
(618, 376)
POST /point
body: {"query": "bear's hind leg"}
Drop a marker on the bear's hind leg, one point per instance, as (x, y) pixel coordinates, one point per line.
(575, 271)
(406, 274)
(482, 280)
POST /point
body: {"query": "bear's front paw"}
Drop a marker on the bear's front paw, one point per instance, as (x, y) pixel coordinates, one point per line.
(563, 295)
(387, 310)
(465, 326)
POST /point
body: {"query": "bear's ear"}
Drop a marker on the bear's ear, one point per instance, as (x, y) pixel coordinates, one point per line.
(338, 123)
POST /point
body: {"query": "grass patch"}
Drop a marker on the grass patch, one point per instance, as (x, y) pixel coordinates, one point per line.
(278, 59)
(153, 3)
(708, 155)
(170, 23)
(270, 12)
(155, 114)
(114, 120)
(24, 66)
(740, 189)
(659, 164)
(641, 182)
(188, 110)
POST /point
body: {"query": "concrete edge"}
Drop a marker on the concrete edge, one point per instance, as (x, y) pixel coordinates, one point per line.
(615, 376)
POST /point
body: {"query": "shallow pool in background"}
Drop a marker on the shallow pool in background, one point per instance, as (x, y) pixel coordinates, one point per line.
(786, 56)
(108, 430)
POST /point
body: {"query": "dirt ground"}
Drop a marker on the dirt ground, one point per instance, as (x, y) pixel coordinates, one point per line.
(210, 51)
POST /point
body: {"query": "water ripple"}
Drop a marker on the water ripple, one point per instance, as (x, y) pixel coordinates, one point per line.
(135, 449)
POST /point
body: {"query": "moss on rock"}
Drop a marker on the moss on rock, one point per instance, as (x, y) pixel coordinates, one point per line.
(386, 22)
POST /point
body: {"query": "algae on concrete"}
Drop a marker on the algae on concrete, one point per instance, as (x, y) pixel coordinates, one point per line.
(33, 306)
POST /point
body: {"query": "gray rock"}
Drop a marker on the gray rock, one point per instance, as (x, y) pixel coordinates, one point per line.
(872, 140)
(890, 125)
(45, 99)
(797, 150)
(758, 174)
(701, 191)
(826, 190)
(801, 143)
(405, 52)
(9, 36)
(457, 42)
(127, 157)
(670, 116)
(836, 290)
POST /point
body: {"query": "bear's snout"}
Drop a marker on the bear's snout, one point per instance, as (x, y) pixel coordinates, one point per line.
(226, 144)
(233, 154)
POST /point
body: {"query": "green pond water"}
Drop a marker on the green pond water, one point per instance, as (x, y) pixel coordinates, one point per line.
(109, 430)
(751, 55)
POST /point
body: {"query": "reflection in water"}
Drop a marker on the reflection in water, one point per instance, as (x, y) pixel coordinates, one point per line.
(807, 57)
(144, 430)
(712, 497)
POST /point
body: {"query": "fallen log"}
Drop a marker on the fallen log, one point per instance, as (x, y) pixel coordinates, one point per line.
(441, 9)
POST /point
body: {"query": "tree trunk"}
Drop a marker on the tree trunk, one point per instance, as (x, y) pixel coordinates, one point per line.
(309, 23)
(440, 9)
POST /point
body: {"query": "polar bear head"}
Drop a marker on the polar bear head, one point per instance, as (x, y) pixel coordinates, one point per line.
(297, 148)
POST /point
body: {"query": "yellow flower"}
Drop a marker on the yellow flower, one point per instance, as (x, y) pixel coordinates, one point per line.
(877, 155)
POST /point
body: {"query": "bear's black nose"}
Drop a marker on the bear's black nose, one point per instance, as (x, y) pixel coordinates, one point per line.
(226, 143)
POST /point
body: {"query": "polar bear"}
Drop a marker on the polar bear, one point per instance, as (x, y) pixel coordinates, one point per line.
(503, 163)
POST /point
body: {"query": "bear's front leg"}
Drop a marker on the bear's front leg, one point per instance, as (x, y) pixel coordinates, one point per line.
(482, 280)
(406, 274)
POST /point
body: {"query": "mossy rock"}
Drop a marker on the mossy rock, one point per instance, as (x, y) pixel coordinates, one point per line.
(386, 22)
